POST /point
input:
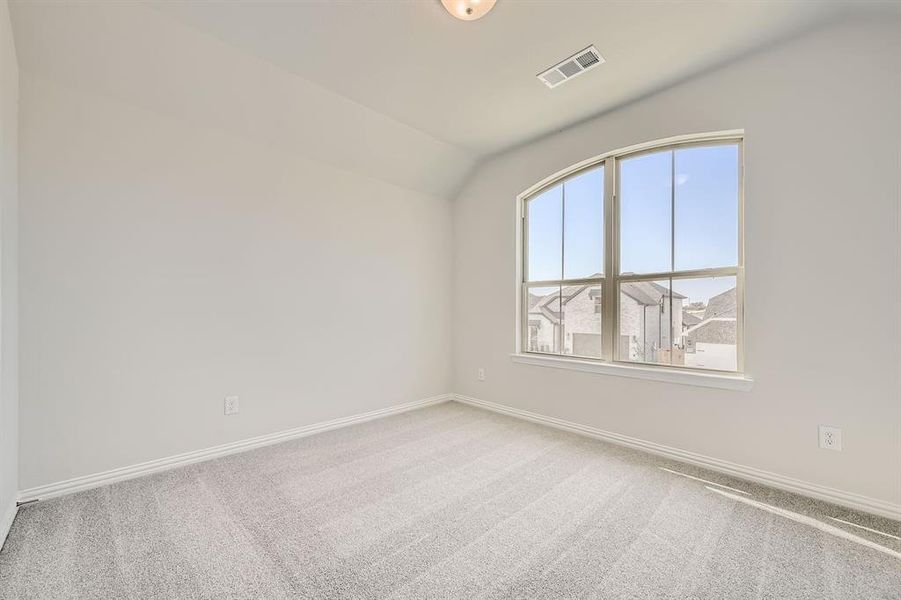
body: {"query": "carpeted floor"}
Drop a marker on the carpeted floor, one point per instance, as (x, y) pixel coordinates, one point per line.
(444, 502)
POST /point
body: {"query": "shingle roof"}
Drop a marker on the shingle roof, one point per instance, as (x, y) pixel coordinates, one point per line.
(712, 331)
(690, 319)
(721, 305)
(648, 292)
(643, 292)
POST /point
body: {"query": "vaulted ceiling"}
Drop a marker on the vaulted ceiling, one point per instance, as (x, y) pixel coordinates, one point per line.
(397, 90)
(473, 84)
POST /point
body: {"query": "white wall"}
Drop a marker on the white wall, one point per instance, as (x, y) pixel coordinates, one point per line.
(165, 265)
(197, 223)
(9, 402)
(823, 191)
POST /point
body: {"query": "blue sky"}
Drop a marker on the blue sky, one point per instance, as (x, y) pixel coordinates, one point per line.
(706, 219)
(584, 225)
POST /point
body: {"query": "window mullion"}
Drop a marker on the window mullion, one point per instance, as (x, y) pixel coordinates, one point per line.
(562, 324)
(672, 253)
(609, 325)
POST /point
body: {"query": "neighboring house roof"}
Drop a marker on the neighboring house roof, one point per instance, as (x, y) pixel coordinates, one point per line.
(721, 305)
(718, 325)
(719, 330)
(647, 293)
(689, 320)
(548, 305)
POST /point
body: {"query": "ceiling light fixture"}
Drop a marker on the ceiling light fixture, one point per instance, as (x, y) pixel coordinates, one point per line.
(468, 10)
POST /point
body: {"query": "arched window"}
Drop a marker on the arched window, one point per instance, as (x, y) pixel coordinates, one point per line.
(636, 257)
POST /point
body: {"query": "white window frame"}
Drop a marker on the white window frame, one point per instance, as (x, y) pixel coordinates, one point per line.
(610, 361)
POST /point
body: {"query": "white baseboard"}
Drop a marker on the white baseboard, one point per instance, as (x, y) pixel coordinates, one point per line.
(86, 482)
(789, 484)
(797, 486)
(9, 514)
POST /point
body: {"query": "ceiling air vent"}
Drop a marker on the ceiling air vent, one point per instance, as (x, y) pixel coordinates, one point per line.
(573, 66)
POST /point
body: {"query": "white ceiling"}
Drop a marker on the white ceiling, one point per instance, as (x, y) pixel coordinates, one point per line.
(126, 53)
(473, 84)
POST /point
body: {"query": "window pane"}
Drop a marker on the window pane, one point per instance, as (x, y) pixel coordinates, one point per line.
(645, 208)
(583, 226)
(645, 325)
(546, 235)
(543, 325)
(708, 337)
(706, 207)
(582, 320)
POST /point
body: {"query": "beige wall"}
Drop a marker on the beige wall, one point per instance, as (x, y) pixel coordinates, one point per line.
(823, 168)
(166, 265)
(9, 98)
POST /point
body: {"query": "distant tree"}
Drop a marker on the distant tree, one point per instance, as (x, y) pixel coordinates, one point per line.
(699, 305)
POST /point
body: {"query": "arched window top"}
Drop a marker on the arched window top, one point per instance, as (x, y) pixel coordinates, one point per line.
(636, 257)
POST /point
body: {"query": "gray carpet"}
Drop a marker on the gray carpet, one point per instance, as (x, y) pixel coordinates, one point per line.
(444, 502)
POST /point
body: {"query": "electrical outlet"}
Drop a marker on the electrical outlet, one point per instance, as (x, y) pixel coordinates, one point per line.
(480, 374)
(830, 438)
(232, 405)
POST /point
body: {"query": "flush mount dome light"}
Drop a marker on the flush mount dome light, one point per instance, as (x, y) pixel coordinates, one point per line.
(468, 10)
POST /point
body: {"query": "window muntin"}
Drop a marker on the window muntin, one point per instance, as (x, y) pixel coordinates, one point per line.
(565, 235)
(563, 266)
(672, 246)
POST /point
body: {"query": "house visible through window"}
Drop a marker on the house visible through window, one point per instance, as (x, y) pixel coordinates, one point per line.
(645, 268)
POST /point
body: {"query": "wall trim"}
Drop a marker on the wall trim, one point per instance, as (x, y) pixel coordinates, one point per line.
(78, 484)
(782, 482)
(6, 521)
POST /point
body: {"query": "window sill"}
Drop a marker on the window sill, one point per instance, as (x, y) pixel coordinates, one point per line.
(740, 383)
